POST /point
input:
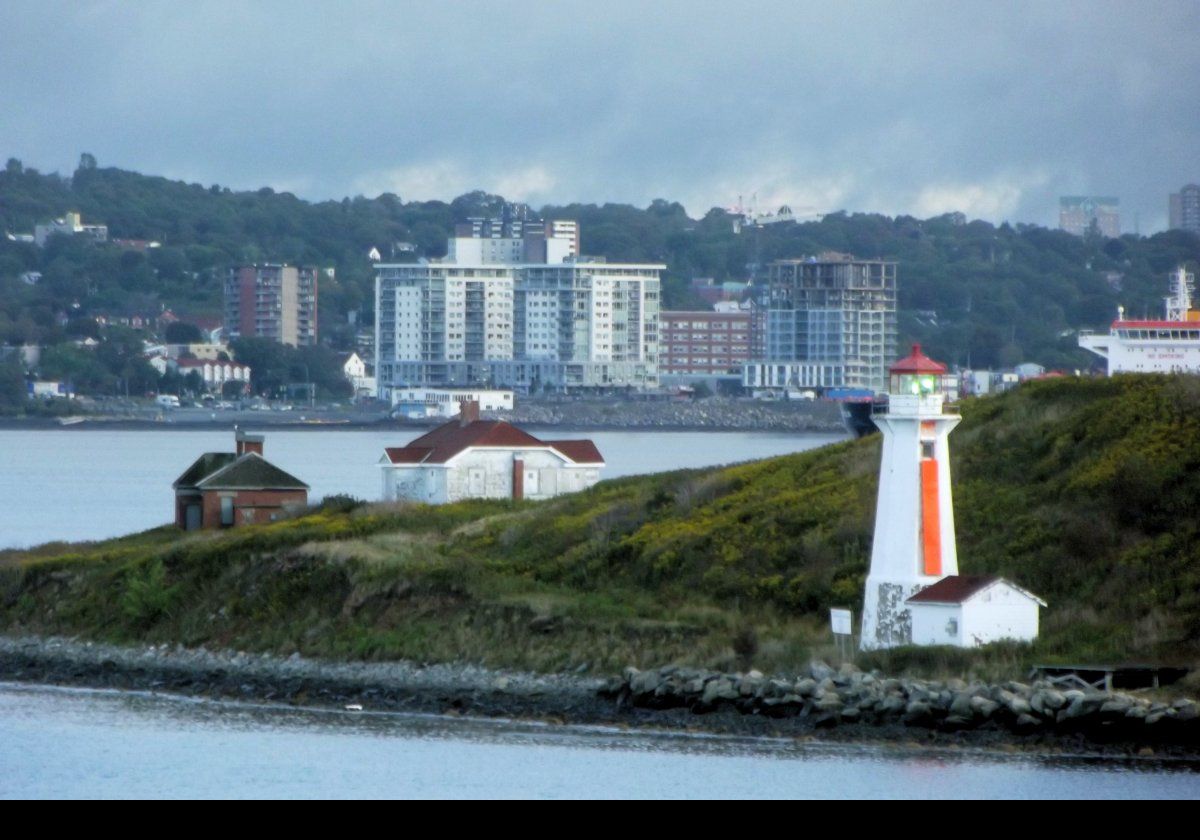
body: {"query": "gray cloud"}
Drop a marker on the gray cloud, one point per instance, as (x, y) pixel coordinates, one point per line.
(917, 107)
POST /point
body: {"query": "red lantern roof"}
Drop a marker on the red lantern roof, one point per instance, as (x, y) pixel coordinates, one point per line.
(917, 362)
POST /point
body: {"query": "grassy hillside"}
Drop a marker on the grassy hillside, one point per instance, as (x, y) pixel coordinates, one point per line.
(1082, 490)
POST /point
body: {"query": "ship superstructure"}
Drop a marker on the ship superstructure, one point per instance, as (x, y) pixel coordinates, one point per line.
(1171, 345)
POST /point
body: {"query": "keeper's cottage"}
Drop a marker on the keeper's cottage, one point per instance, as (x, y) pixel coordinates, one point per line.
(470, 458)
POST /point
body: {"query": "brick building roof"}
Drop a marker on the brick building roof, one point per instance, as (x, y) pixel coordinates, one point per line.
(226, 471)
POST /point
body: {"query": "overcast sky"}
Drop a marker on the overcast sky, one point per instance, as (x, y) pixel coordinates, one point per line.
(994, 109)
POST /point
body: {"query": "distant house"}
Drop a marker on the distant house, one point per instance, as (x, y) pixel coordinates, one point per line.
(214, 373)
(69, 225)
(973, 610)
(354, 368)
(469, 458)
(225, 489)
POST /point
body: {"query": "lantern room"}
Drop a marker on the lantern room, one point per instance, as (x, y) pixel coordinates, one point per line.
(917, 375)
(917, 386)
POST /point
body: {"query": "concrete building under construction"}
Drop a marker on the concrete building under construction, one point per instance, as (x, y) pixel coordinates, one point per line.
(831, 323)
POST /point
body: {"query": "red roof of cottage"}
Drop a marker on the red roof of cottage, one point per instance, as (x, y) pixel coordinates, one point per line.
(579, 451)
(455, 437)
(958, 589)
(917, 362)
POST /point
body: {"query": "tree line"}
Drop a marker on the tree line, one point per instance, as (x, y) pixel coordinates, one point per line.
(975, 293)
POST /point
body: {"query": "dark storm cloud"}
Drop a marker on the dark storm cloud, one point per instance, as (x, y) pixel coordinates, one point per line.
(993, 109)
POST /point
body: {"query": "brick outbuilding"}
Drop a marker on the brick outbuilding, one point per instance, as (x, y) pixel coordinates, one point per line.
(224, 489)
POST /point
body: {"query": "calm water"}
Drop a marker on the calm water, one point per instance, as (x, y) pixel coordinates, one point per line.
(70, 743)
(82, 485)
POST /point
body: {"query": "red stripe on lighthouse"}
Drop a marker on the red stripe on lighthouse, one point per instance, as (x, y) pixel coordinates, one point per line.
(931, 523)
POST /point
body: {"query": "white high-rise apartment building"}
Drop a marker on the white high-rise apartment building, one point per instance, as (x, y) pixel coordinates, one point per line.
(480, 317)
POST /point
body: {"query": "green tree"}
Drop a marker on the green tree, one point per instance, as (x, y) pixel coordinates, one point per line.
(12, 386)
(181, 332)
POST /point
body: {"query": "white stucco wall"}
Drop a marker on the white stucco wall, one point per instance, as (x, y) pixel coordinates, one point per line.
(997, 613)
(546, 475)
(931, 624)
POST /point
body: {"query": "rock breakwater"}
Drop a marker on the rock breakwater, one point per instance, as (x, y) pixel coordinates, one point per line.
(828, 697)
(712, 413)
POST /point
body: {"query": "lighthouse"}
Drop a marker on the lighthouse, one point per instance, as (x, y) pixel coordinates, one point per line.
(914, 543)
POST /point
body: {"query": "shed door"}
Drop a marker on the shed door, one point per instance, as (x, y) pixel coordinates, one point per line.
(191, 517)
(476, 484)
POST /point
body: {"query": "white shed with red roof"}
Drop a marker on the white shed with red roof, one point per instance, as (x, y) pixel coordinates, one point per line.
(469, 458)
(973, 610)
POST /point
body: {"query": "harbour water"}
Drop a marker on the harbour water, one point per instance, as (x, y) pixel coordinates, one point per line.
(91, 484)
(81, 744)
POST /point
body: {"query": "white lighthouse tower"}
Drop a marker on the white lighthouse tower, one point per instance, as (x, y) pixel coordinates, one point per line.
(914, 543)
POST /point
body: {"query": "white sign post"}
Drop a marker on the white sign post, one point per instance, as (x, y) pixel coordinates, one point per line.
(842, 622)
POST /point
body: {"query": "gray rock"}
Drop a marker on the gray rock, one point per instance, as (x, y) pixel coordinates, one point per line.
(644, 682)
(983, 707)
(1117, 706)
(749, 686)
(806, 687)
(1014, 702)
(819, 670)
(960, 706)
(719, 689)
(917, 712)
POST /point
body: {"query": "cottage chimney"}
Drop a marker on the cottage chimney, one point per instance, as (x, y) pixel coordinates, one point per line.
(247, 442)
(468, 412)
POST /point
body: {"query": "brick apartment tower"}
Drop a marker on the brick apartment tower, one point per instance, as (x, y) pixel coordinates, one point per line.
(276, 302)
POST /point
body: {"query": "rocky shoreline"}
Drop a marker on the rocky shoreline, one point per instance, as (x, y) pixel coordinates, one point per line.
(713, 414)
(707, 414)
(842, 705)
(828, 698)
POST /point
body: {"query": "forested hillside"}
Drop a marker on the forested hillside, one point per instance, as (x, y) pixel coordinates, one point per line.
(975, 293)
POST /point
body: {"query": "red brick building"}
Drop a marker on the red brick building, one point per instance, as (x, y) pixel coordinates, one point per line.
(705, 343)
(224, 489)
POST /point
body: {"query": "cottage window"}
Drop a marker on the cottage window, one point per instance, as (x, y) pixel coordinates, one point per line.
(952, 627)
(226, 511)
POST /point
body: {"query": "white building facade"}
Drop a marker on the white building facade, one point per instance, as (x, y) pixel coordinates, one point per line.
(214, 373)
(416, 403)
(569, 325)
(469, 458)
(966, 611)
